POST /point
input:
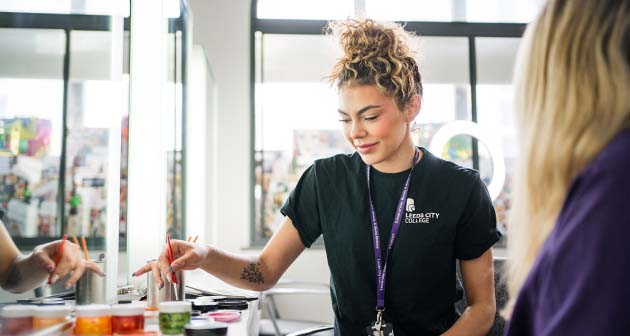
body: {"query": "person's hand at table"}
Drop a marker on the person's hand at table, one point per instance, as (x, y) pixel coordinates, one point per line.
(19, 273)
(72, 260)
(186, 256)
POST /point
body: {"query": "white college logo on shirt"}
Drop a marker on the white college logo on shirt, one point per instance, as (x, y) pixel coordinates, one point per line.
(410, 206)
(422, 217)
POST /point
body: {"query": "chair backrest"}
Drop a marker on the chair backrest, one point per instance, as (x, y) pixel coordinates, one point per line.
(501, 296)
(500, 293)
(298, 321)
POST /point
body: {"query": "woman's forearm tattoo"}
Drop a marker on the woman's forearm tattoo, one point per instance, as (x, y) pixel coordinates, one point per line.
(252, 273)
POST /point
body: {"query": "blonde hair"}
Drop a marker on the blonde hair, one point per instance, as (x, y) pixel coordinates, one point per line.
(572, 97)
(376, 53)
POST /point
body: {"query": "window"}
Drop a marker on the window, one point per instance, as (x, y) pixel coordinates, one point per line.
(173, 113)
(410, 10)
(501, 11)
(491, 11)
(304, 9)
(495, 64)
(95, 98)
(91, 7)
(31, 94)
(443, 64)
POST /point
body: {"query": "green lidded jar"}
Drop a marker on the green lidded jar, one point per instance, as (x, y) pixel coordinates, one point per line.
(174, 315)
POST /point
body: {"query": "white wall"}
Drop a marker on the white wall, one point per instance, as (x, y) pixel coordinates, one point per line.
(146, 169)
(223, 29)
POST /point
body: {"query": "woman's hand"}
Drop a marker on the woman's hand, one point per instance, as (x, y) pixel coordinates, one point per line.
(186, 256)
(71, 261)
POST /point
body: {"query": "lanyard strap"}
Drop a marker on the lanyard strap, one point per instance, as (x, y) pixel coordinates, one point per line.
(381, 268)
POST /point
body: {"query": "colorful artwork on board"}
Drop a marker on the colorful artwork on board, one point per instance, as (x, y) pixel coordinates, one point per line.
(27, 136)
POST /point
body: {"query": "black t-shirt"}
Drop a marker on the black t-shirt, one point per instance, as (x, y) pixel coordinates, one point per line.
(448, 216)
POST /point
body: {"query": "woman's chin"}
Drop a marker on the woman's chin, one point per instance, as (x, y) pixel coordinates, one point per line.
(369, 158)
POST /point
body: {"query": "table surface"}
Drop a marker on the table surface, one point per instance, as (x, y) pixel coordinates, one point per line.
(248, 324)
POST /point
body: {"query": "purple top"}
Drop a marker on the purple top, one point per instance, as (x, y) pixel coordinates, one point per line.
(580, 282)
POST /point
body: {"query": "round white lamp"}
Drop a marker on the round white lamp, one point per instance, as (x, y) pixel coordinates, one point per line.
(457, 127)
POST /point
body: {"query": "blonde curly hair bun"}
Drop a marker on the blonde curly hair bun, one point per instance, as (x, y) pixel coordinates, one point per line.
(376, 53)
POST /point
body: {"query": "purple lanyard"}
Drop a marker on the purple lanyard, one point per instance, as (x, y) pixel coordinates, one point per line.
(380, 267)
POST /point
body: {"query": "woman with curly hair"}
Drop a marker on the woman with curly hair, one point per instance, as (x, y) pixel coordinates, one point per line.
(394, 218)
